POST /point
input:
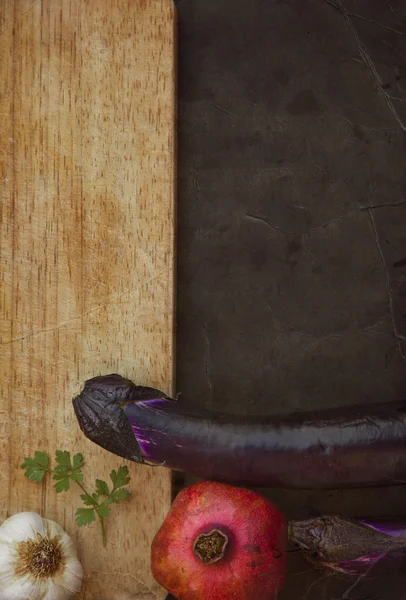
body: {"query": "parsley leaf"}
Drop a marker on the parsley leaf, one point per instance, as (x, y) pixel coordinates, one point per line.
(104, 509)
(87, 499)
(77, 476)
(85, 516)
(69, 469)
(120, 494)
(77, 462)
(63, 485)
(37, 467)
(63, 459)
(120, 477)
(59, 474)
(102, 488)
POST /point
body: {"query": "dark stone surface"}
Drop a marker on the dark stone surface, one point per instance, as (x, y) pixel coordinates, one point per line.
(292, 225)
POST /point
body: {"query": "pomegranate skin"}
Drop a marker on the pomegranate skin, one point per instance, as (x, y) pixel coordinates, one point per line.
(255, 560)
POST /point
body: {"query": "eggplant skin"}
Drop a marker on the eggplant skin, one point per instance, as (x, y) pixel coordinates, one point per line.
(360, 446)
(350, 546)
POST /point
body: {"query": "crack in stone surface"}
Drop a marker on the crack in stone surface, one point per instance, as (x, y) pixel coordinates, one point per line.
(298, 233)
(207, 361)
(364, 18)
(320, 169)
(368, 61)
(270, 170)
(375, 325)
(358, 580)
(397, 98)
(363, 127)
(269, 224)
(398, 336)
(305, 245)
(397, 15)
(330, 223)
(388, 205)
(333, 335)
(316, 582)
(196, 184)
(227, 112)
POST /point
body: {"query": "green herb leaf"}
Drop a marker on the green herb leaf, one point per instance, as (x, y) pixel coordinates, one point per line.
(85, 516)
(87, 499)
(104, 509)
(61, 470)
(42, 458)
(59, 475)
(120, 477)
(67, 469)
(63, 459)
(102, 488)
(63, 485)
(76, 476)
(120, 494)
(36, 468)
(77, 461)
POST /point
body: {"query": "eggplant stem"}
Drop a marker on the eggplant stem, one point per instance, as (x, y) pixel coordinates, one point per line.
(150, 464)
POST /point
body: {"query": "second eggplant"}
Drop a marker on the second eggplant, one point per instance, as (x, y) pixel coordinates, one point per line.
(336, 448)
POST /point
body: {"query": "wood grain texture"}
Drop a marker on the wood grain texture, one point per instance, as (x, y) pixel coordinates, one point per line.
(87, 152)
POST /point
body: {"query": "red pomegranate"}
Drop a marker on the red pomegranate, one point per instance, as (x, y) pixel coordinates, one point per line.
(220, 542)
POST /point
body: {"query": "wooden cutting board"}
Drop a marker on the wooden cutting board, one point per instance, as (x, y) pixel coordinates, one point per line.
(87, 163)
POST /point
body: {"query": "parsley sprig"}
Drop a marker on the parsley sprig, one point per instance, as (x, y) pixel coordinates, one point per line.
(67, 469)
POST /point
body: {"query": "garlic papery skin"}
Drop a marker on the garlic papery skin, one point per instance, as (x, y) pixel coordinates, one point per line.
(38, 560)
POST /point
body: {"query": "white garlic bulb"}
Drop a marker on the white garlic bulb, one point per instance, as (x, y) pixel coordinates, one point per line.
(38, 560)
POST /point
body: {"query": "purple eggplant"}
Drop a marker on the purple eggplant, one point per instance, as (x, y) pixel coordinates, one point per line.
(335, 448)
(350, 546)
